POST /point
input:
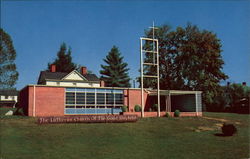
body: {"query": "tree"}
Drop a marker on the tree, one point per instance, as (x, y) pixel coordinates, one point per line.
(115, 73)
(166, 59)
(233, 98)
(237, 95)
(63, 61)
(8, 72)
(189, 60)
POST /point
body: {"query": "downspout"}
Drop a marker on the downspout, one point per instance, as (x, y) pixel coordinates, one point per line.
(34, 100)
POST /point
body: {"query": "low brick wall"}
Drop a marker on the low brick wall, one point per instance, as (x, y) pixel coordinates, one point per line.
(162, 114)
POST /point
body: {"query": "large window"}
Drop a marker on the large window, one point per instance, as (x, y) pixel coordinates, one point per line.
(70, 100)
(90, 98)
(93, 101)
(100, 98)
(119, 98)
(110, 98)
(80, 98)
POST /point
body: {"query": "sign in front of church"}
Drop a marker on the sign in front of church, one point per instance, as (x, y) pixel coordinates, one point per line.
(89, 119)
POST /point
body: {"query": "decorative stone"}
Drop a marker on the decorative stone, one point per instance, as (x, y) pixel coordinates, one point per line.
(197, 130)
(9, 113)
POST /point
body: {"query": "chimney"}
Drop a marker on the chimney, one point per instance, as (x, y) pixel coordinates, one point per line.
(52, 68)
(84, 70)
(102, 83)
(244, 83)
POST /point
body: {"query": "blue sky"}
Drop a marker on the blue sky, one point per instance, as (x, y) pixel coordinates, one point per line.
(91, 28)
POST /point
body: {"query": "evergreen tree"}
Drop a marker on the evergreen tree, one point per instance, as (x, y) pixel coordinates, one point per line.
(115, 73)
(8, 72)
(63, 61)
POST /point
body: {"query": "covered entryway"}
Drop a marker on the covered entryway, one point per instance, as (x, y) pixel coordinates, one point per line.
(171, 100)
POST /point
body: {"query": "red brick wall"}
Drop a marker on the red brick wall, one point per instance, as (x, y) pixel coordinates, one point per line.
(48, 101)
(30, 100)
(26, 100)
(23, 99)
(133, 97)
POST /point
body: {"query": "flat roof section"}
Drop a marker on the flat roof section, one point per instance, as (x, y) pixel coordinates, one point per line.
(151, 92)
(172, 92)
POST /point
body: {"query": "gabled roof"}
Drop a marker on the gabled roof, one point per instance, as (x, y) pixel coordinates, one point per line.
(46, 75)
(91, 77)
(74, 74)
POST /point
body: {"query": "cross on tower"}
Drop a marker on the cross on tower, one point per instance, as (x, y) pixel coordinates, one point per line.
(153, 30)
(155, 52)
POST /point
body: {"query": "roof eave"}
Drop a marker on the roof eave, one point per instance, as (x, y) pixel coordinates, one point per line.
(80, 81)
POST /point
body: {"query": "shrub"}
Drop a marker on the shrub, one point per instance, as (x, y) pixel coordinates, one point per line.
(124, 108)
(167, 114)
(137, 108)
(154, 107)
(228, 129)
(176, 113)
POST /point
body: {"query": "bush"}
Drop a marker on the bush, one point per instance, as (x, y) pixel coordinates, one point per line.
(167, 114)
(176, 113)
(137, 108)
(228, 129)
(154, 107)
(124, 108)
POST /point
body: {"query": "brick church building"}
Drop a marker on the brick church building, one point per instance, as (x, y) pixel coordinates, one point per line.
(80, 93)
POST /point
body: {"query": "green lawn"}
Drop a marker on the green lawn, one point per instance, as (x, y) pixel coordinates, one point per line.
(159, 138)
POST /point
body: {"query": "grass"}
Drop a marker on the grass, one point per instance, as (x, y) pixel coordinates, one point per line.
(172, 138)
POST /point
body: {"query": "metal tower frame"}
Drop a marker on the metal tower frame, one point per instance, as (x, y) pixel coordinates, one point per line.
(154, 52)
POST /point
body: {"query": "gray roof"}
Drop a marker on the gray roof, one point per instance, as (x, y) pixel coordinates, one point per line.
(44, 75)
(9, 92)
(91, 77)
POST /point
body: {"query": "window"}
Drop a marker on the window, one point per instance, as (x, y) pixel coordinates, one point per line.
(70, 98)
(90, 106)
(118, 98)
(81, 106)
(90, 98)
(70, 106)
(100, 98)
(93, 101)
(6, 97)
(80, 98)
(109, 98)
